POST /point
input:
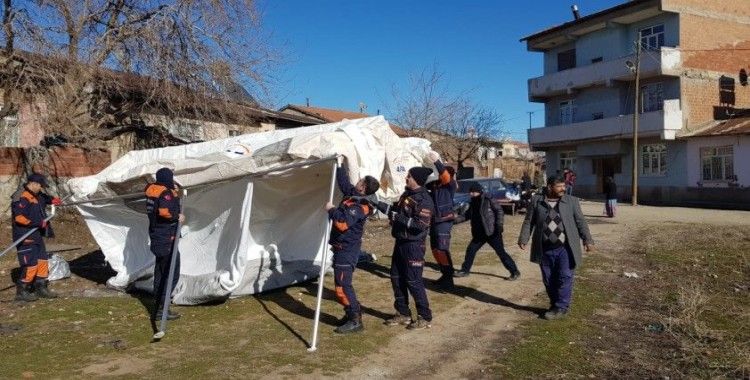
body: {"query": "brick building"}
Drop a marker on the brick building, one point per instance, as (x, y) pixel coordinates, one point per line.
(694, 146)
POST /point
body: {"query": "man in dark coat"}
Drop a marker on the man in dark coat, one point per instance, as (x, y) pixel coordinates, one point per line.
(556, 226)
(410, 221)
(442, 191)
(28, 212)
(164, 212)
(486, 217)
(348, 223)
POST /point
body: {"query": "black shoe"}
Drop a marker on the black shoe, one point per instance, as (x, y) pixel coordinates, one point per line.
(398, 320)
(171, 315)
(24, 294)
(514, 276)
(42, 291)
(342, 321)
(461, 273)
(351, 326)
(555, 313)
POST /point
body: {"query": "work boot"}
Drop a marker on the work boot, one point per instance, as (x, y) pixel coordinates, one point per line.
(419, 324)
(461, 273)
(398, 320)
(555, 313)
(351, 326)
(514, 276)
(42, 291)
(171, 315)
(24, 294)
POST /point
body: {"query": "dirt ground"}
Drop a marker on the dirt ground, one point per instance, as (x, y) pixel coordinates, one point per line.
(467, 326)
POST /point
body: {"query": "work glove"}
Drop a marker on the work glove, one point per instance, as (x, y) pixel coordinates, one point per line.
(57, 201)
(383, 207)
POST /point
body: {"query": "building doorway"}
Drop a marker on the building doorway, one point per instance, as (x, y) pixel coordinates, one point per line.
(606, 167)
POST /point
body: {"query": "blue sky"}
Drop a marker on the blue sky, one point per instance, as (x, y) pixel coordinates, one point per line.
(340, 53)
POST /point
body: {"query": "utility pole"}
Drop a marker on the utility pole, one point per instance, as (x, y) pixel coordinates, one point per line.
(636, 115)
(530, 113)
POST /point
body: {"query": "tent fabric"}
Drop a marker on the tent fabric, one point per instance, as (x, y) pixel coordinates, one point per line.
(254, 205)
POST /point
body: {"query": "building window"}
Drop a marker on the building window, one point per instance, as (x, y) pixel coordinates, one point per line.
(567, 112)
(568, 160)
(9, 130)
(233, 133)
(652, 38)
(566, 60)
(654, 159)
(652, 97)
(718, 163)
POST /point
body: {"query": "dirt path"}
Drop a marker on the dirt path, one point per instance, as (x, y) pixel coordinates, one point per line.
(457, 343)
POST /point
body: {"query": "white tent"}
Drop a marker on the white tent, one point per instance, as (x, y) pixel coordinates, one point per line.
(254, 204)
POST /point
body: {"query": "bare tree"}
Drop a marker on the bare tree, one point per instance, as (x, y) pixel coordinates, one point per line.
(94, 68)
(457, 126)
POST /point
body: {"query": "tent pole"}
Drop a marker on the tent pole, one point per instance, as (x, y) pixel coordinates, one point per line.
(324, 260)
(19, 240)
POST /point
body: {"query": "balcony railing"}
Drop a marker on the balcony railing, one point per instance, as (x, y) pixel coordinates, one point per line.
(666, 61)
(664, 123)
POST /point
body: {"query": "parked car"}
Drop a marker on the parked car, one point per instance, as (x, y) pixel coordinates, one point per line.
(495, 187)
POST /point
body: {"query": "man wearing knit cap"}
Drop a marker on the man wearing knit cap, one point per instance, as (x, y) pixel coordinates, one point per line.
(486, 217)
(442, 191)
(164, 211)
(410, 221)
(28, 212)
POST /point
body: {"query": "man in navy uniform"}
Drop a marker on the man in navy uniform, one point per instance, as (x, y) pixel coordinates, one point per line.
(28, 212)
(164, 211)
(442, 191)
(410, 221)
(346, 242)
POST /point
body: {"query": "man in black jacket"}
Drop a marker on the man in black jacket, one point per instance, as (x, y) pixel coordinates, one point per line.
(410, 224)
(486, 227)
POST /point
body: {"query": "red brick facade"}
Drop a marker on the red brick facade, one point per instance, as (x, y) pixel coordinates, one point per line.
(62, 162)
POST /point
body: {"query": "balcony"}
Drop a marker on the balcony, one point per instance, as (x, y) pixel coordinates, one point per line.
(666, 61)
(664, 123)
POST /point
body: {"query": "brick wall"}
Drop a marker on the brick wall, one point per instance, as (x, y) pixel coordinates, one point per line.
(712, 36)
(61, 163)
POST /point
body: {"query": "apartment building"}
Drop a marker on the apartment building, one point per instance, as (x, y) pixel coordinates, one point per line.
(694, 123)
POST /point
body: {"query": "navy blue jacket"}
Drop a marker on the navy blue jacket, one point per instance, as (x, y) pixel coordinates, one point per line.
(349, 217)
(486, 216)
(163, 209)
(442, 191)
(411, 216)
(28, 212)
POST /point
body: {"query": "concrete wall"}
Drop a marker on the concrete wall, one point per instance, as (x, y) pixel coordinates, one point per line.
(741, 145)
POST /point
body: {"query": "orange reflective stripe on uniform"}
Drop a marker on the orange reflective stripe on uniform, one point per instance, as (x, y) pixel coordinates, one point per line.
(366, 209)
(164, 213)
(341, 296)
(440, 257)
(42, 269)
(22, 220)
(30, 274)
(154, 191)
(29, 197)
(341, 226)
(445, 177)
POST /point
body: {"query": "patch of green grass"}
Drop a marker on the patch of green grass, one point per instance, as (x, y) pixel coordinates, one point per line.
(551, 348)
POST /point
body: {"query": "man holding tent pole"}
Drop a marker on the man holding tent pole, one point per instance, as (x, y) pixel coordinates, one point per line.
(346, 242)
(28, 213)
(442, 191)
(164, 211)
(410, 221)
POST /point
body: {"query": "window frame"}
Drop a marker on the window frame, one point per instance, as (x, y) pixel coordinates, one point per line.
(567, 159)
(712, 155)
(653, 152)
(658, 37)
(654, 93)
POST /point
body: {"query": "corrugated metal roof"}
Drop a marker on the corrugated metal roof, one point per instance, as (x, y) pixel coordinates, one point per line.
(736, 126)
